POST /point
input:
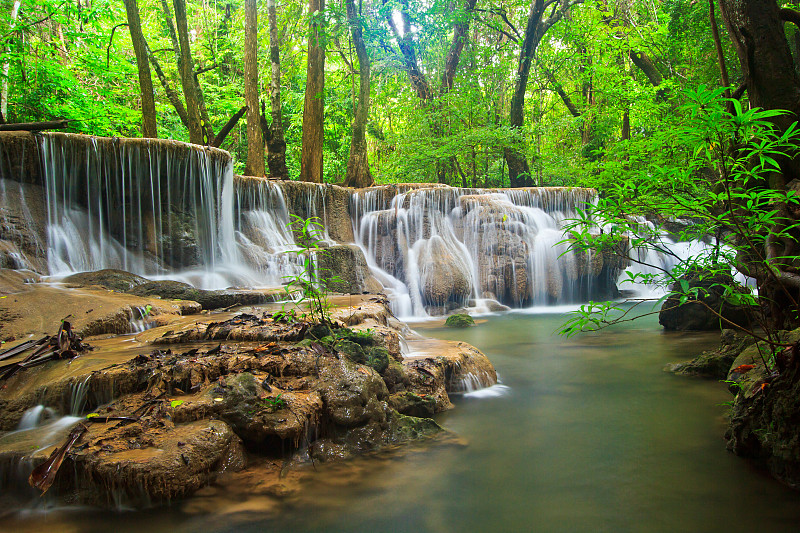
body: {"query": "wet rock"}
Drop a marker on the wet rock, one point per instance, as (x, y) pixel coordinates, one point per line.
(765, 417)
(363, 348)
(695, 313)
(147, 465)
(23, 221)
(459, 321)
(328, 202)
(444, 277)
(352, 394)
(259, 419)
(39, 310)
(715, 364)
(109, 278)
(246, 380)
(412, 404)
(176, 290)
(345, 263)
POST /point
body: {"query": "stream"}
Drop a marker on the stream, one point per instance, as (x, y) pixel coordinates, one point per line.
(584, 434)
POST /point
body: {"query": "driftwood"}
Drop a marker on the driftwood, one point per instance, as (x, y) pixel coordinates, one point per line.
(16, 350)
(44, 475)
(36, 126)
(104, 419)
(62, 345)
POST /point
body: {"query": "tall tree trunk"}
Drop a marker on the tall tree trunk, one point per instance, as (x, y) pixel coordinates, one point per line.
(757, 31)
(756, 28)
(723, 69)
(186, 68)
(4, 89)
(255, 139)
(145, 81)
(518, 170)
(276, 145)
(358, 174)
(313, 109)
(405, 42)
(460, 30)
(173, 97)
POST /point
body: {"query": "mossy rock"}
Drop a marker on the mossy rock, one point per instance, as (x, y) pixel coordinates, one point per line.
(405, 428)
(411, 404)
(376, 357)
(459, 321)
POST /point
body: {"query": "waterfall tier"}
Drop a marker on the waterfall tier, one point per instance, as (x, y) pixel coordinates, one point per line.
(169, 209)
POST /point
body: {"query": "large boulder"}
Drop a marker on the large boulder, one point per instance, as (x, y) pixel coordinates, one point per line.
(346, 269)
(444, 275)
(696, 313)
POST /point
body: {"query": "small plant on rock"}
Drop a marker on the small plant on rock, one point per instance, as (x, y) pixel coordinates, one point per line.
(310, 285)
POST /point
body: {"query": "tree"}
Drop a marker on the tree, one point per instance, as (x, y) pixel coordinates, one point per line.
(314, 108)
(145, 81)
(756, 27)
(519, 172)
(255, 139)
(358, 174)
(183, 54)
(276, 145)
(6, 65)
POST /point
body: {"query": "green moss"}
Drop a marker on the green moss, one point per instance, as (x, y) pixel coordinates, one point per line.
(459, 321)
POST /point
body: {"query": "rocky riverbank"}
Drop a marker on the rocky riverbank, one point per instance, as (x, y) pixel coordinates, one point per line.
(202, 393)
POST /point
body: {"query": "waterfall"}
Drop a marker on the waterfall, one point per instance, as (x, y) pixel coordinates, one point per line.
(165, 209)
(438, 248)
(148, 207)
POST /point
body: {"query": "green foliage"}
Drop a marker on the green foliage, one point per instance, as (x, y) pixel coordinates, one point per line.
(723, 186)
(64, 64)
(272, 404)
(310, 285)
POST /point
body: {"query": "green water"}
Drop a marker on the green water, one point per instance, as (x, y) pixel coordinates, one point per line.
(590, 435)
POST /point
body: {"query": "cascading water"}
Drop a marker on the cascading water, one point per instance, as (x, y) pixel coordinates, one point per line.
(142, 206)
(164, 209)
(438, 248)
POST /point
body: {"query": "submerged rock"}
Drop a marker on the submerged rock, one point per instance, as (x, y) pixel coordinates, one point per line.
(715, 364)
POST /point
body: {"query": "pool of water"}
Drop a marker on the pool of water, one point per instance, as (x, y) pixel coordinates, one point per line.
(585, 434)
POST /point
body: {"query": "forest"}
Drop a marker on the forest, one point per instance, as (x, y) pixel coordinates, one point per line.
(229, 215)
(469, 93)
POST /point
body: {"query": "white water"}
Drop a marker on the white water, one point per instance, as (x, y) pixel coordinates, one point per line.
(493, 245)
(173, 211)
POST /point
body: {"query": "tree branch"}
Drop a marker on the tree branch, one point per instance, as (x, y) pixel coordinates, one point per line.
(790, 15)
(226, 129)
(110, 40)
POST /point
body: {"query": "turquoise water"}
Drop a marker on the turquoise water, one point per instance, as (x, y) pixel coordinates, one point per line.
(586, 434)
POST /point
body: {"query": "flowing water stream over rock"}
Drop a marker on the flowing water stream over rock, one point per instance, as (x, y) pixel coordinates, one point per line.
(583, 435)
(586, 434)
